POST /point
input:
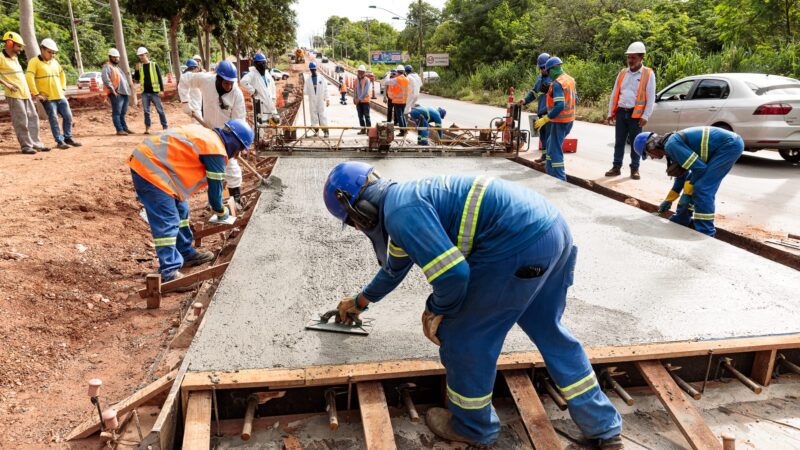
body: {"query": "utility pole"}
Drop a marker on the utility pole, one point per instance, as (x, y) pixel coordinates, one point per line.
(26, 29)
(421, 56)
(78, 58)
(119, 39)
(369, 45)
(166, 39)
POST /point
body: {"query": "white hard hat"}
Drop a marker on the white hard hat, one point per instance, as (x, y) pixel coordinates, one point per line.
(141, 51)
(196, 57)
(49, 44)
(636, 47)
(361, 68)
(113, 52)
(400, 67)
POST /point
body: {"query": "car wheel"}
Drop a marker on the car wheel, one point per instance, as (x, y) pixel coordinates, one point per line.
(791, 155)
(285, 77)
(723, 125)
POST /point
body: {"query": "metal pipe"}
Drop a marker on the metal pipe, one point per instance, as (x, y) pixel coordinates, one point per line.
(551, 390)
(788, 365)
(138, 424)
(617, 388)
(688, 388)
(728, 442)
(330, 406)
(216, 409)
(249, 416)
(405, 398)
(752, 385)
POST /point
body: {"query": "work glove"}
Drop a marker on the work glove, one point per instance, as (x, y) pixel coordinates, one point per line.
(541, 122)
(274, 119)
(349, 310)
(224, 214)
(685, 201)
(430, 325)
(187, 108)
(688, 188)
(664, 206)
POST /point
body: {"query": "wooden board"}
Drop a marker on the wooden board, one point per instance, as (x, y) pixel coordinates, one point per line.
(188, 280)
(378, 433)
(531, 410)
(197, 428)
(92, 425)
(682, 412)
(343, 373)
(763, 365)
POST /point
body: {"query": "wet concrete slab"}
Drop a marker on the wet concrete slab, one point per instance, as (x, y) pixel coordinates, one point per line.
(639, 278)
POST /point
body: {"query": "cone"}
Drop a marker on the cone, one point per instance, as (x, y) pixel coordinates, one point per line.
(279, 103)
(169, 78)
(93, 85)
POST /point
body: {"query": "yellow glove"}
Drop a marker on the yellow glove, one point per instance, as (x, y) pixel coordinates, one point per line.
(430, 324)
(688, 188)
(672, 196)
(349, 310)
(541, 122)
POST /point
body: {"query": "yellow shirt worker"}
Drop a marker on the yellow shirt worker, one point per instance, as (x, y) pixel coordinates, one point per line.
(24, 118)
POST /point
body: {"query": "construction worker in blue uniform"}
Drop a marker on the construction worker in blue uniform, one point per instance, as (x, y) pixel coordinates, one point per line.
(539, 89)
(561, 100)
(424, 117)
(169, 167)
(702, 156)
(496, 254)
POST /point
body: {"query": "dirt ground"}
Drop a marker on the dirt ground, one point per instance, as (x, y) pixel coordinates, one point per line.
(73, 252)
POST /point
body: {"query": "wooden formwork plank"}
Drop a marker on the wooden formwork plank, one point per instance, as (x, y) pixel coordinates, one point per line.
(763, 365)
(378, 433)
(140, 397)
(197, 428)
(540, 430)
(683, 413)
(188, 280)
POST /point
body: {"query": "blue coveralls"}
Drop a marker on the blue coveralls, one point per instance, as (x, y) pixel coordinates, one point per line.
(709, 153)
(169, 217)
(541, 109)
(424, 116)
(495, 254)
(557, 133)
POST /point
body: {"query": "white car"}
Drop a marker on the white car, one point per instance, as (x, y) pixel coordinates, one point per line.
(85, 80)
(763, 109)
(430, 77)
(278, 75)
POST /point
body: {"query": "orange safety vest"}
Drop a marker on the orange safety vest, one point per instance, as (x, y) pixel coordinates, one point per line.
(343, 87)
(171, 161)
(641, 95)
(568, 86)
(114, 78)
(398, 92)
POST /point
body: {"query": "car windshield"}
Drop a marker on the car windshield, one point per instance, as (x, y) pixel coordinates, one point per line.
(775, 86)
(89, 75)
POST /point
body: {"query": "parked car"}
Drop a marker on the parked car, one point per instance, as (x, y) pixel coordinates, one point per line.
(278, 74)
(430, 77)
(763, 109)
(85, 80)
(325, 60)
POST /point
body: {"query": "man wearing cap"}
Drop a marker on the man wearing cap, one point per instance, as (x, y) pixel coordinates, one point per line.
(24, 117)
(151, 85)
(632, 101)
(118, 90)
(195, 96)
(199, 61)
(361, 96)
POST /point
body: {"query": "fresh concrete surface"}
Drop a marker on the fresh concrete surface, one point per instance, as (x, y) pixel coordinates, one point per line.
(639, 279)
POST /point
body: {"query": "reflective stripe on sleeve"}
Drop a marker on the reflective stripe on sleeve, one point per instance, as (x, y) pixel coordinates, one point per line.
(166, 241)
(469, 217)
(442, 264)
(581, 386)
(555, 99)
(468, 402)
(704, 144)
(689, 161)
(184, 223)
(396, 251)
(218, 176)
(703, 216)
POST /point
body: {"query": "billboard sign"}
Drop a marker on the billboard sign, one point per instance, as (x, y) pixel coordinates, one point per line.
(388, 57)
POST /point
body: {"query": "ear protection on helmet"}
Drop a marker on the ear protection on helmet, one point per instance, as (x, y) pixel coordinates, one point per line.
(9, 44)
(364, 214)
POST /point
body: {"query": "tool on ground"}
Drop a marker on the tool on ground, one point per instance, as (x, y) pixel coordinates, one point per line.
(255, 399)
(330, 407)
(784, 363)
(550, 388)
(726, 364)
(323, 324)
(406, 401)
(608, 375)
(688, 388)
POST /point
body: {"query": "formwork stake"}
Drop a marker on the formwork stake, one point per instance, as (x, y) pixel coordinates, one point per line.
(708, 371)
(552, 392)
(688, 388)
(608, 376)
(725, 364)
(405, 400)
(330, 407)
(728, 442)
(216, 410)
(788, 365)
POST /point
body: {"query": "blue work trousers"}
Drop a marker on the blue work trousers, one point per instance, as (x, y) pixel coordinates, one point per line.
(529, 289)
(150, 97)
(363, 114)
(53, 109)
(169, 222)
(423, 133)
(400, 116)
(555, 153)
(119, 108)
(625, 130)
(707, 184)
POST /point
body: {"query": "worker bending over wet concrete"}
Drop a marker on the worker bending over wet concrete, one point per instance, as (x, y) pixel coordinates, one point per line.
(424, 117)
(703, 156)
(495, 254)
(167, 169)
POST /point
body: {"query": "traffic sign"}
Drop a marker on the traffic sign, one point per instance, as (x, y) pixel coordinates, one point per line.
(437, 59)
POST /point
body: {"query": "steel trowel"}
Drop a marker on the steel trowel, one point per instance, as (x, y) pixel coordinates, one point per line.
(323, 323)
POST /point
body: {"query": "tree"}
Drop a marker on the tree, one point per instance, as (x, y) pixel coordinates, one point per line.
(26, 28)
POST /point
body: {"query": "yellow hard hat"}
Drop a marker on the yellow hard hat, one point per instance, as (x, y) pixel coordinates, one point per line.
(14, 37)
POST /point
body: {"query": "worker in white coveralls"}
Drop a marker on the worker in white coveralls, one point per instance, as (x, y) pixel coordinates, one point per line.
(414, 85)
(316, 88)
(222, 101)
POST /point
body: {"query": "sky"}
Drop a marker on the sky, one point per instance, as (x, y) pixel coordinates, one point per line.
(312, 14)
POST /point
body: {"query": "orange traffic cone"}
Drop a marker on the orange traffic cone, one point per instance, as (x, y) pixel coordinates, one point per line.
(169, 78)
(93, 85)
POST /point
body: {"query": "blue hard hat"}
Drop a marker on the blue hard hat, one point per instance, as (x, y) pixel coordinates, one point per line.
(259, 57)
(348, 177)
(242, 131)
(191, 63)
(442, 113)
(542, 60)
(552, 62)
(393, 71)
(409, 68)
(312, 65)
(226, 70)
(640, 142)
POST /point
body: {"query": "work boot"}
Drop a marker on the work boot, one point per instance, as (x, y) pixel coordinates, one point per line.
(62, 145)
(28, 151)
(177, 276)
(438, 420)
(612, 443)
(542, 158)
(42, 148)
(326, 133)
(146, 130)
(70, 141)
(635, 174)
(614, 172)
(121, 133)
(127, 131)
(198, 259)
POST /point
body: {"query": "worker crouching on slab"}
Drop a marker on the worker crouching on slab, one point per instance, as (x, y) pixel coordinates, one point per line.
(424, 117)
(496, 254)
(702, 156)
(562, 98)
(167, 169)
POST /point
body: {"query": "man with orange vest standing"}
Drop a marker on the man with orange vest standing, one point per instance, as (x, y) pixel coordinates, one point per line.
(562, 98)
(398, 89)
(167, 168)
(361, 97)
(631, 104)
(118, 90)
